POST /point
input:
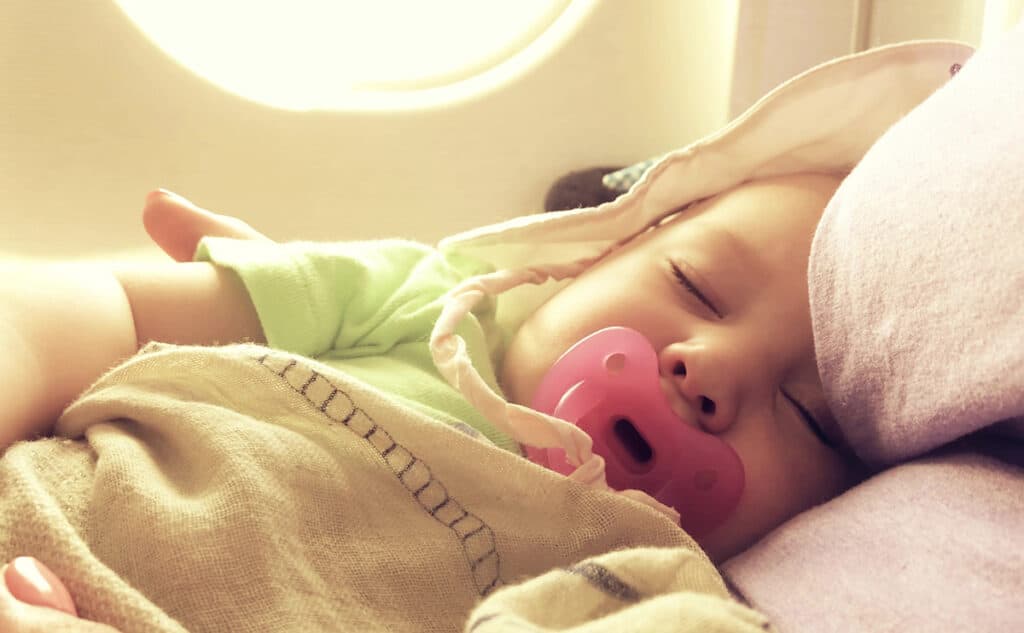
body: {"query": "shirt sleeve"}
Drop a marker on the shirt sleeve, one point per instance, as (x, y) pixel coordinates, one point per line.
(315, 298)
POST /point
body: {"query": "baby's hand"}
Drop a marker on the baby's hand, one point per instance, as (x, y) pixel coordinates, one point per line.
(34, 600)
(177, 225)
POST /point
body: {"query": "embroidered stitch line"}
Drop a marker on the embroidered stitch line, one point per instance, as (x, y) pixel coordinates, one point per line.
(476, 538)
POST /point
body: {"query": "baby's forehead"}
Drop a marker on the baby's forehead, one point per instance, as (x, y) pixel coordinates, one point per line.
(787, 204)
(701, 236)
(755, 229)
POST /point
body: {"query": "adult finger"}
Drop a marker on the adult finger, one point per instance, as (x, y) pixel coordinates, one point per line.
(177, 225)
(18, 616)
(32, 582)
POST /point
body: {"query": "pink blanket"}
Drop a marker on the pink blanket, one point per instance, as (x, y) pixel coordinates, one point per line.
(917, 293)
(931, 545)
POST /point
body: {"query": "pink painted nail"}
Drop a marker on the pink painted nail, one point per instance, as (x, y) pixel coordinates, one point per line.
(157, 193)
(32, 582)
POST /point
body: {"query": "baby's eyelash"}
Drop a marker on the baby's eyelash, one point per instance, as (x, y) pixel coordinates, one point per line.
(689, 286)
(811, 421)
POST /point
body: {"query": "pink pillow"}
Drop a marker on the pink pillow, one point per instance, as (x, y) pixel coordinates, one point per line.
(917, 269)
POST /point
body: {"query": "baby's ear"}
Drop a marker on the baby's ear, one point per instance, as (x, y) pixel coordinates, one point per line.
(176, 225)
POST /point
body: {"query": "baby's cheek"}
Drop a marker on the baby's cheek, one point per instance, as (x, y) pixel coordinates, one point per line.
(775, 487)
(765, 504)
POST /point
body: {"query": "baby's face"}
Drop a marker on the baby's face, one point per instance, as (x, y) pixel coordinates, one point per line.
(721, 294)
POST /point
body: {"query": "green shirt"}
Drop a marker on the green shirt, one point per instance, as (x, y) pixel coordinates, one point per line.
(367, 308)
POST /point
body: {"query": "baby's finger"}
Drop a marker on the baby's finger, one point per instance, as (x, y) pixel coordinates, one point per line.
(33, 583)
(177, 225)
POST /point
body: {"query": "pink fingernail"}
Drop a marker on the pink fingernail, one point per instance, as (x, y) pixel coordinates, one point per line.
(41, 586)
(156, 193)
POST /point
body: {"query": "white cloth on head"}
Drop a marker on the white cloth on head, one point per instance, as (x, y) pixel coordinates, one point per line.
(822, 121)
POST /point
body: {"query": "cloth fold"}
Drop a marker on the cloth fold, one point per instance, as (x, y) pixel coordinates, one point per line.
(654, 590)
(244, 489)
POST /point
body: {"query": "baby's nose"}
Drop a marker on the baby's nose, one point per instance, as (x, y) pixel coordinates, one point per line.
(704, 382)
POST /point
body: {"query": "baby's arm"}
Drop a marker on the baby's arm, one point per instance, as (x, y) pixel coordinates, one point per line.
(62, 326)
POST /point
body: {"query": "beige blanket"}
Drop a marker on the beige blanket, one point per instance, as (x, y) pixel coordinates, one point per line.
(244, 489)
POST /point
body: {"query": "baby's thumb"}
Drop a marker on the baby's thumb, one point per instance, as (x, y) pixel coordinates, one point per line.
(33, 583)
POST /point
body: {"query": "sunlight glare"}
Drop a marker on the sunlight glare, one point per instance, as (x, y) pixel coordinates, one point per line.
(317, 54)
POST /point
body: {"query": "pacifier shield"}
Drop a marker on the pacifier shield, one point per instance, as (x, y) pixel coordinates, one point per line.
(608, 385)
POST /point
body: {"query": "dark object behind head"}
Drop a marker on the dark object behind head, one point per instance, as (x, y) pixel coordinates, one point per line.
(580, 189)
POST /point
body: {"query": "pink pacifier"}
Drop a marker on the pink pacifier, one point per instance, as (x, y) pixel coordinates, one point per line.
(607, 384)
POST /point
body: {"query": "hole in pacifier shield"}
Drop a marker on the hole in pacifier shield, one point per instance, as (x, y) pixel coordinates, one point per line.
(615, 363)
(635, 446)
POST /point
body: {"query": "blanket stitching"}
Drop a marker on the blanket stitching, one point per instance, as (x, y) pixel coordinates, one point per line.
(433, 511)
(491, 580)
(327, 401)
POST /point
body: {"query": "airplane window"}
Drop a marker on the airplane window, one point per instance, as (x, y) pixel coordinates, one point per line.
(322, 54)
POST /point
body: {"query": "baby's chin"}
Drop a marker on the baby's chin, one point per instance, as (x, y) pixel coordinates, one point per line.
(724, 543)
(745, 527)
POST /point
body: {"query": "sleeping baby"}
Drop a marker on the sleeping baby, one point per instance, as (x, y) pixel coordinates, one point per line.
(719, 291)
(392, 369)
